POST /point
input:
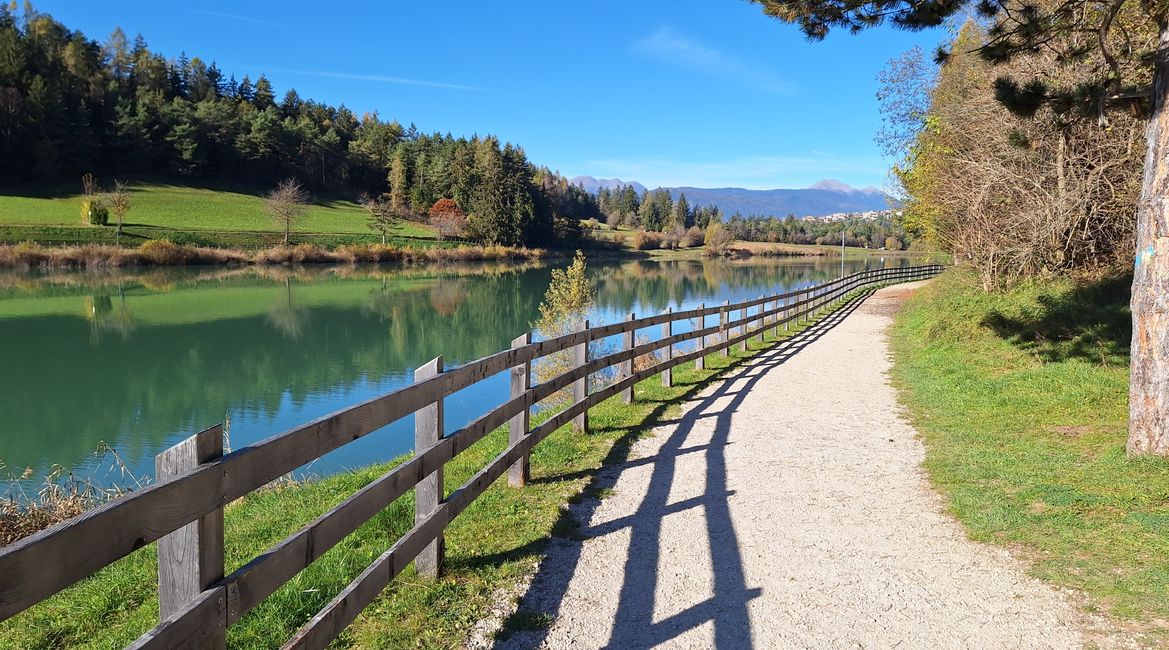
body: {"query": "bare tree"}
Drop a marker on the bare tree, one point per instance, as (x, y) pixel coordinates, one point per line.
(382, 215)
(119, 200)
(287, 205)
(89, 184)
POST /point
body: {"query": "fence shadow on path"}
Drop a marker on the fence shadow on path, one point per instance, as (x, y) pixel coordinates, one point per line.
(633, 625)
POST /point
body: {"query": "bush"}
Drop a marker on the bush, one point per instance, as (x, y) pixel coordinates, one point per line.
(566, 304)
(672, 240)
(718, 239)
(645, 240)
(693, 237)
(94, 212)
(165, 252)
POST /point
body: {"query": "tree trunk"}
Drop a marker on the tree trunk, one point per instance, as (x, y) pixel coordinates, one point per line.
(1148, 431)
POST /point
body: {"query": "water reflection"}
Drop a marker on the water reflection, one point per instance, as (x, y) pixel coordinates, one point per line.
(142, 359)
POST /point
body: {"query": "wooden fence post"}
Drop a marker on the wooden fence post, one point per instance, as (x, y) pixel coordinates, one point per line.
(700, 362)
(428, 494)
(191, 558)
(580, 387)
(521, 380)
(743, 329)
(762, 319)
(723, 334)
(667, 332)
(627, 366)
(786, 313)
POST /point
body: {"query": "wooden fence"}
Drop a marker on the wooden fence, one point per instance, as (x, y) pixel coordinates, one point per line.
(183, 510)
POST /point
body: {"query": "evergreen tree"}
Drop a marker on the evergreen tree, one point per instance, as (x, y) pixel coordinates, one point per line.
(263, 96)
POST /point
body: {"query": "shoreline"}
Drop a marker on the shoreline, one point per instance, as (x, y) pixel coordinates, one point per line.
(28, 256)
(156, 253)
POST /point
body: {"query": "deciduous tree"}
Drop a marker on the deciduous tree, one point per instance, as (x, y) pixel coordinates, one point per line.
(287, 205)
(447, 218)
(1129, 76)
(382, 216)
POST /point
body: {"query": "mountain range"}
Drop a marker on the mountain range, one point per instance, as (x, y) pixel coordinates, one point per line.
(823, 198)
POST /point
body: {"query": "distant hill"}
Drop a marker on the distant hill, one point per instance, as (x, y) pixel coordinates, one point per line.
(822, 198)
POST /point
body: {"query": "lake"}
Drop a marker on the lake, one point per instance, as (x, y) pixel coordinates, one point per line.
(138, 360)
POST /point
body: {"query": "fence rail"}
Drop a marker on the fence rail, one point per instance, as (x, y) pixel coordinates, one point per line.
(184, 509)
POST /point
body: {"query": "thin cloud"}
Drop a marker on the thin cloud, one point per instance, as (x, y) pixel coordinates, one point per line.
(237, 17)
(751, 172)
(379, 79)
(674, 47)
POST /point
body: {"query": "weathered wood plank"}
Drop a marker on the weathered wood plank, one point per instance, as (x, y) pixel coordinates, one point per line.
(428, 493)
(580, 387)
(667, 332)
(700, 361)
(521, 379)
(723, 315)
(201, 623)
(627, 340)
(190, 559)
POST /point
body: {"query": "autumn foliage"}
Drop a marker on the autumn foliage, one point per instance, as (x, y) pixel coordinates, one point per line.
(447, 218)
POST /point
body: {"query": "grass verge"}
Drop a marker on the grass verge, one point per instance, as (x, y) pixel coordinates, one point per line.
(1021, 400)
(495, 542)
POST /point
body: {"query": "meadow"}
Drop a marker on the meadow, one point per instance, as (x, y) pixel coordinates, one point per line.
(207, 214)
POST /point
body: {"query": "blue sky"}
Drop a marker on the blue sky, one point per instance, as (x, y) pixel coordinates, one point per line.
(705, 93)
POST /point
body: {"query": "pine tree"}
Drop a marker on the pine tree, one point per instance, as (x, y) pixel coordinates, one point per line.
(263, 97)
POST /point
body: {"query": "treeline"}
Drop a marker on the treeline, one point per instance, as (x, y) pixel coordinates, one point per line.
(657, 211)
(881, 232)
(70, 105)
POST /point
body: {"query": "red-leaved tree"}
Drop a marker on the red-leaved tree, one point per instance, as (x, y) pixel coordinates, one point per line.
(447, 218)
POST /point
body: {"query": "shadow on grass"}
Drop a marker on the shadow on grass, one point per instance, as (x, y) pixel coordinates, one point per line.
(1091, 323)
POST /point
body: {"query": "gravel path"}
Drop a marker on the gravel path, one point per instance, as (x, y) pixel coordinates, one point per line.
(786, 508)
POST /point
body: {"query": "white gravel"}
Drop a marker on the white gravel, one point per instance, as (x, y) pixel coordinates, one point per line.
(787, 509)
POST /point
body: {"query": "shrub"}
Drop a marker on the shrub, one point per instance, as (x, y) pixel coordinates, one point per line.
(718, 239)
(693, 237)
(569, 297)
(672, 240)
(645, 240)
(94, 212)
(163, 251)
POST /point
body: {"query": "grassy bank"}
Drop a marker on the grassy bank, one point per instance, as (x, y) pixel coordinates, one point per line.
(493, 544)
(1021, 399)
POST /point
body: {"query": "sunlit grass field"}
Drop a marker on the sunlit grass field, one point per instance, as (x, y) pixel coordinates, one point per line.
(206, 213)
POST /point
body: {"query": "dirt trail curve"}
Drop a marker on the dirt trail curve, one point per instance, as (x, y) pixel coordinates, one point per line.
(787, 508)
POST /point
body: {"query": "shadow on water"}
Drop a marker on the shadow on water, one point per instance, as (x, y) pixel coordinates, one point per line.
(1092, 323)
(727, 609)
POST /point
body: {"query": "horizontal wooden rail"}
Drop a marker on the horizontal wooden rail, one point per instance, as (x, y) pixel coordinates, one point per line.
(37, 567)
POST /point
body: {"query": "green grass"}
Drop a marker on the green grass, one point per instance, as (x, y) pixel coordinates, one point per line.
(494, 543)
(1021, 400)
(210, 214)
